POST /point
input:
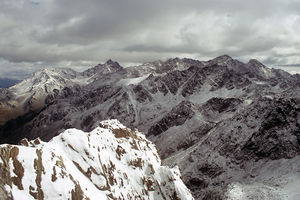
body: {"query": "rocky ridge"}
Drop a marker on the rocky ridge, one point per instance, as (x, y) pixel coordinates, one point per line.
(110, 162)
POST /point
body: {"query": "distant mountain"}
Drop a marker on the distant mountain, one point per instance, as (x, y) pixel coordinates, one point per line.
(31, 94)
(6, 82)
(110, 162)
(223, 122)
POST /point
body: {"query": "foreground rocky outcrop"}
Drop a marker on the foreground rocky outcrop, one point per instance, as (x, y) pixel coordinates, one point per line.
(110, 162)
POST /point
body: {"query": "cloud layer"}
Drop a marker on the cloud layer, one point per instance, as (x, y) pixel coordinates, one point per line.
(42, 33)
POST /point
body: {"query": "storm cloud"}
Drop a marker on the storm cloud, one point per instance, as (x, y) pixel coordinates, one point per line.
(79, 34)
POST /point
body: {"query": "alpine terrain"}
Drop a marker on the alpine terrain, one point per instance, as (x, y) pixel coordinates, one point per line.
(110, 162)
(232, 128)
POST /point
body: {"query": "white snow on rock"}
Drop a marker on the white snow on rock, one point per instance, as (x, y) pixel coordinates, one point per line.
(275, 180)
(110, 162)
(31, 93)
(134, 81)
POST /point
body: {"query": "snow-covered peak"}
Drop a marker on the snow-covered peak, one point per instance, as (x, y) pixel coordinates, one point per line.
(110, 162)
(48, 77)
(31, 93)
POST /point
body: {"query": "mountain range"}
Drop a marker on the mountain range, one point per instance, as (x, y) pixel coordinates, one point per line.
(233, 128)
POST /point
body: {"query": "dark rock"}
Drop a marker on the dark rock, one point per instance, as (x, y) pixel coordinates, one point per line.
(220, 105)
(123, 110)
(141, 94)
(210, 170)
(176, 117)
(174, 80)
(196, 183)
(276, 136)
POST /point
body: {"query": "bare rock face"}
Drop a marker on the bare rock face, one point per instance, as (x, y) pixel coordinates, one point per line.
(123, 109)
(220, 105)
(142, 94)
(174, 80)
(110, 162)
(279, 134)
(223, 122)
(176, 117)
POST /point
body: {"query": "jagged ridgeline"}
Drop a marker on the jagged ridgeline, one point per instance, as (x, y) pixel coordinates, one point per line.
(110, 162)
(223, 122)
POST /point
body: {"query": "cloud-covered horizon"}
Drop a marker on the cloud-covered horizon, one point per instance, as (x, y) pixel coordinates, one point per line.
(64, 33)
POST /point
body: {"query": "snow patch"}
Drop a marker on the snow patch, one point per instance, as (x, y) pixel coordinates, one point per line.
(133, 81)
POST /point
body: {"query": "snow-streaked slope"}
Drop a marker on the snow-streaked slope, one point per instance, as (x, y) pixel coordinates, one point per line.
(110, 162)
(252, 155)
(31, 93)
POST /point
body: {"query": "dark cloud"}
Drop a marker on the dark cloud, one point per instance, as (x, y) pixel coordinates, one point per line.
(73, 33)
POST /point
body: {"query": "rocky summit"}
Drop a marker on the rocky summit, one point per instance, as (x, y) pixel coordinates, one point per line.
(233, 128)
(110, 162)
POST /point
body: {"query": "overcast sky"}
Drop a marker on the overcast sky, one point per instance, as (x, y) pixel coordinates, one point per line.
(81, 33)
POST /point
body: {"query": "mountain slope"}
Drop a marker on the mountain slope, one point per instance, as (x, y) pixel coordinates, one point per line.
(185, 106)
(110, 162)
(259, 146)
(31, 94)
